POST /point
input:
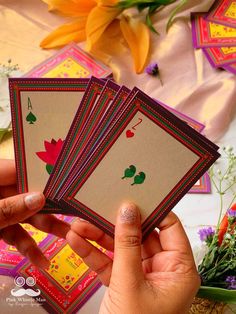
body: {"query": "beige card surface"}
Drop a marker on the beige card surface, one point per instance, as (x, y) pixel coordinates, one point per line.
(42, 111)
(164, 165)
(150, 157)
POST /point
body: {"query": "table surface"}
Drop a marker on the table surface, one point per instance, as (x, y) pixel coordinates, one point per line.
(191, 85)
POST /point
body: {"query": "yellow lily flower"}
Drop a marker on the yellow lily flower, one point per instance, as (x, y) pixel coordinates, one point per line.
(99, 19)
(65, 34)
(94, 17)
(137, 35)
(72, 8)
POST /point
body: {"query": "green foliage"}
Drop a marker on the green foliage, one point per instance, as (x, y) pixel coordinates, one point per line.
(129, 172)
(153, 7)
(220, 260)
(217, 294)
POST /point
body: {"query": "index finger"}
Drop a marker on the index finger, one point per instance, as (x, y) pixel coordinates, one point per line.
(172, 235)
(7, 172)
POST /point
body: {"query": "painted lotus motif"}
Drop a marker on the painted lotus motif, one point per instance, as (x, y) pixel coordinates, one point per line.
(52, 151)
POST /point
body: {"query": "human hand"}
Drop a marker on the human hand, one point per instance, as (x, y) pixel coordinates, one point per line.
(158, 276)
(15, 209)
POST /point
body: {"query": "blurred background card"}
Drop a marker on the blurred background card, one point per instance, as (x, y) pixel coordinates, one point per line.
(70, 62)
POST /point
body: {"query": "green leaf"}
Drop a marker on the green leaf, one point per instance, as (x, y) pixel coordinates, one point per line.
(153, 8)
(174, 12)
(49, 168)
(150, 25)
(125, 4)
(217, 294)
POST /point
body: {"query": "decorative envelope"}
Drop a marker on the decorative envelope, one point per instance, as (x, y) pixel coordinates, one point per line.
(70, 62)
(223, 12)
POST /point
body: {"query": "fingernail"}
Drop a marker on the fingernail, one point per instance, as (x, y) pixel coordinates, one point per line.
(128, 214)
(81, 219)
(34, 201)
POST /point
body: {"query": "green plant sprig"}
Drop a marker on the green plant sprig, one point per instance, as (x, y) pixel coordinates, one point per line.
(152, 7)
(6, 70)
(220, 260)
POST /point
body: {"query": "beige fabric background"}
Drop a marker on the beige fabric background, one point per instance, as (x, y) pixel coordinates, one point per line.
(190, 84)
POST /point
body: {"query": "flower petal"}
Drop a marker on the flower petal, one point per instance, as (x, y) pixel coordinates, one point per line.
(44, 156)
(74, 8)
(110, 44)
(137, 35)
(58, 147)
(65, 34)
(98, 20)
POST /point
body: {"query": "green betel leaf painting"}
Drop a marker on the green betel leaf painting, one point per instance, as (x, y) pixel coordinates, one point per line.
(31, 118)
(49, 168)
(129, 172)
(139, 178)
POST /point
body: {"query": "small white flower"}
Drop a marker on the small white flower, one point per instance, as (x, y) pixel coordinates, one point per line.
(229, 149)
(228, 236)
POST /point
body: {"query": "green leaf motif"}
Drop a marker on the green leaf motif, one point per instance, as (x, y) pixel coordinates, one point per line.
(49, 168)
(129, 172)
(139, 178)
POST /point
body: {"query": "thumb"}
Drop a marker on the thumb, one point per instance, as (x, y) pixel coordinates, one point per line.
(127, 262)
(20, 207)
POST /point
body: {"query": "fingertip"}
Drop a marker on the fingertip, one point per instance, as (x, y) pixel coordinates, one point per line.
(128, 214)
(72, 237)
(34, 201)
(36, 256)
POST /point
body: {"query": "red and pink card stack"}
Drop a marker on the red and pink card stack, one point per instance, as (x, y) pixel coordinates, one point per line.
(215, 33)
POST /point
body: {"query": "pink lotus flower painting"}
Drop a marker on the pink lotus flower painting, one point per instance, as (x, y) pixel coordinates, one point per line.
(49, 156)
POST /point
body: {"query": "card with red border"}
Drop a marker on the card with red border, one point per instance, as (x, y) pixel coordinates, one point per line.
(219, 56)
(203, 185)
(207, 34)
(69, 157)
(149, 157)
(223, 12)
(10, 257)
(230, 68)
(65, 286)
(70, 62)
(116, 108)
(42, 111)
(92, 93)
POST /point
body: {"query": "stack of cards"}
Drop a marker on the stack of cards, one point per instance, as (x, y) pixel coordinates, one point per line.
(215, 33)
(91, 145)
